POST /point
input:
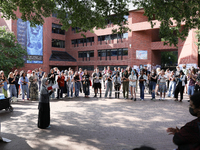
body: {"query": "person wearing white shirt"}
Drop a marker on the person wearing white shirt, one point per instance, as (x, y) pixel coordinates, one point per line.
(132, 84)
(142, 79)
(162, 85)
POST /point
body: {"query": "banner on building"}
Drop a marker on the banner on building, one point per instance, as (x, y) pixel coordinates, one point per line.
(31, 38)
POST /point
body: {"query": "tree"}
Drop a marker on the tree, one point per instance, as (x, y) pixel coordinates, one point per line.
(85, 14)
(89, 14)
(171, 13)
(11, 51)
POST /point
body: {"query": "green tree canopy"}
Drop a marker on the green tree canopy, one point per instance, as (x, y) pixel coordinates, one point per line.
(11, 52)
(89, 14)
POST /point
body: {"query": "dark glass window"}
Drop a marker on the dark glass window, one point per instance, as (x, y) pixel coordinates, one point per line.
(57, 29)
(108, 52)
(114, 52)
(73, 41)
(86, 54)
(83, 41)
(58, 43)
(103, 53)
(80, 55)
(113, 36)
(119, 52)
(91, 53)
(125, 51)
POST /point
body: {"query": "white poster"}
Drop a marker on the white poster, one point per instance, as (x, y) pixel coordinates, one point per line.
(141, 54)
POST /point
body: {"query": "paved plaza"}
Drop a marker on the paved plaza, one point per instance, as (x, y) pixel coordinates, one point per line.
(95, 124)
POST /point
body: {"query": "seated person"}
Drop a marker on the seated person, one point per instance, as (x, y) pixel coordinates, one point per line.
(188, 137)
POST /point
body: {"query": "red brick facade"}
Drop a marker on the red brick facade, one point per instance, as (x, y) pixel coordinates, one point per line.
(142, 37)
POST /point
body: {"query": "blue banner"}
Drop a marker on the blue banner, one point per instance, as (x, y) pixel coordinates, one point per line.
(35, 43)
(31, 38)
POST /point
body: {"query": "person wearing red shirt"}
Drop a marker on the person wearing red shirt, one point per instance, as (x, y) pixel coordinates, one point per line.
(61, 84)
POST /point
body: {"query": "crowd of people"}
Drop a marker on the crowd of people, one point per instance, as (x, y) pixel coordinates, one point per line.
(156, 82)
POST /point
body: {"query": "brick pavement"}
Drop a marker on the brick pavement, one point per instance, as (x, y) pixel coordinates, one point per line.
(95, 124)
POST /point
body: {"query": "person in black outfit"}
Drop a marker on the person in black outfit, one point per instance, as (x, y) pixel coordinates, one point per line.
(86, 83)
(180, 86)
(17, 76)
(187, 137)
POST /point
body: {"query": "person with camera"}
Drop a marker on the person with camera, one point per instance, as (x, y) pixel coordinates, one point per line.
(180, 86)
(23, 81)
(172, 84)
(109, 85)
(162, 85)
(12, 88)
(97, 81)
(117, 84)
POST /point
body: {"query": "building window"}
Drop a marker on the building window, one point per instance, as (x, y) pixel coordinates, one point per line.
(58, 43)
(57, 29)
(82, 42)
(86, 55)
(125, 51)
(89, 68)
(113, 52)
(125, 35)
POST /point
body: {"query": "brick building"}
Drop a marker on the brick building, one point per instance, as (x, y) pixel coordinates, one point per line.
(141, 46)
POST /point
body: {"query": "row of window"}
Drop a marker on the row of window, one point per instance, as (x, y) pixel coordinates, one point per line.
(112, 37)
(113, 52)
(82, 41)
(57, 29)
(85, 54)
(58, 43)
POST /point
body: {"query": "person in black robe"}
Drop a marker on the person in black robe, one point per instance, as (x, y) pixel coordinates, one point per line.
(44, 107)
(188, 136)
